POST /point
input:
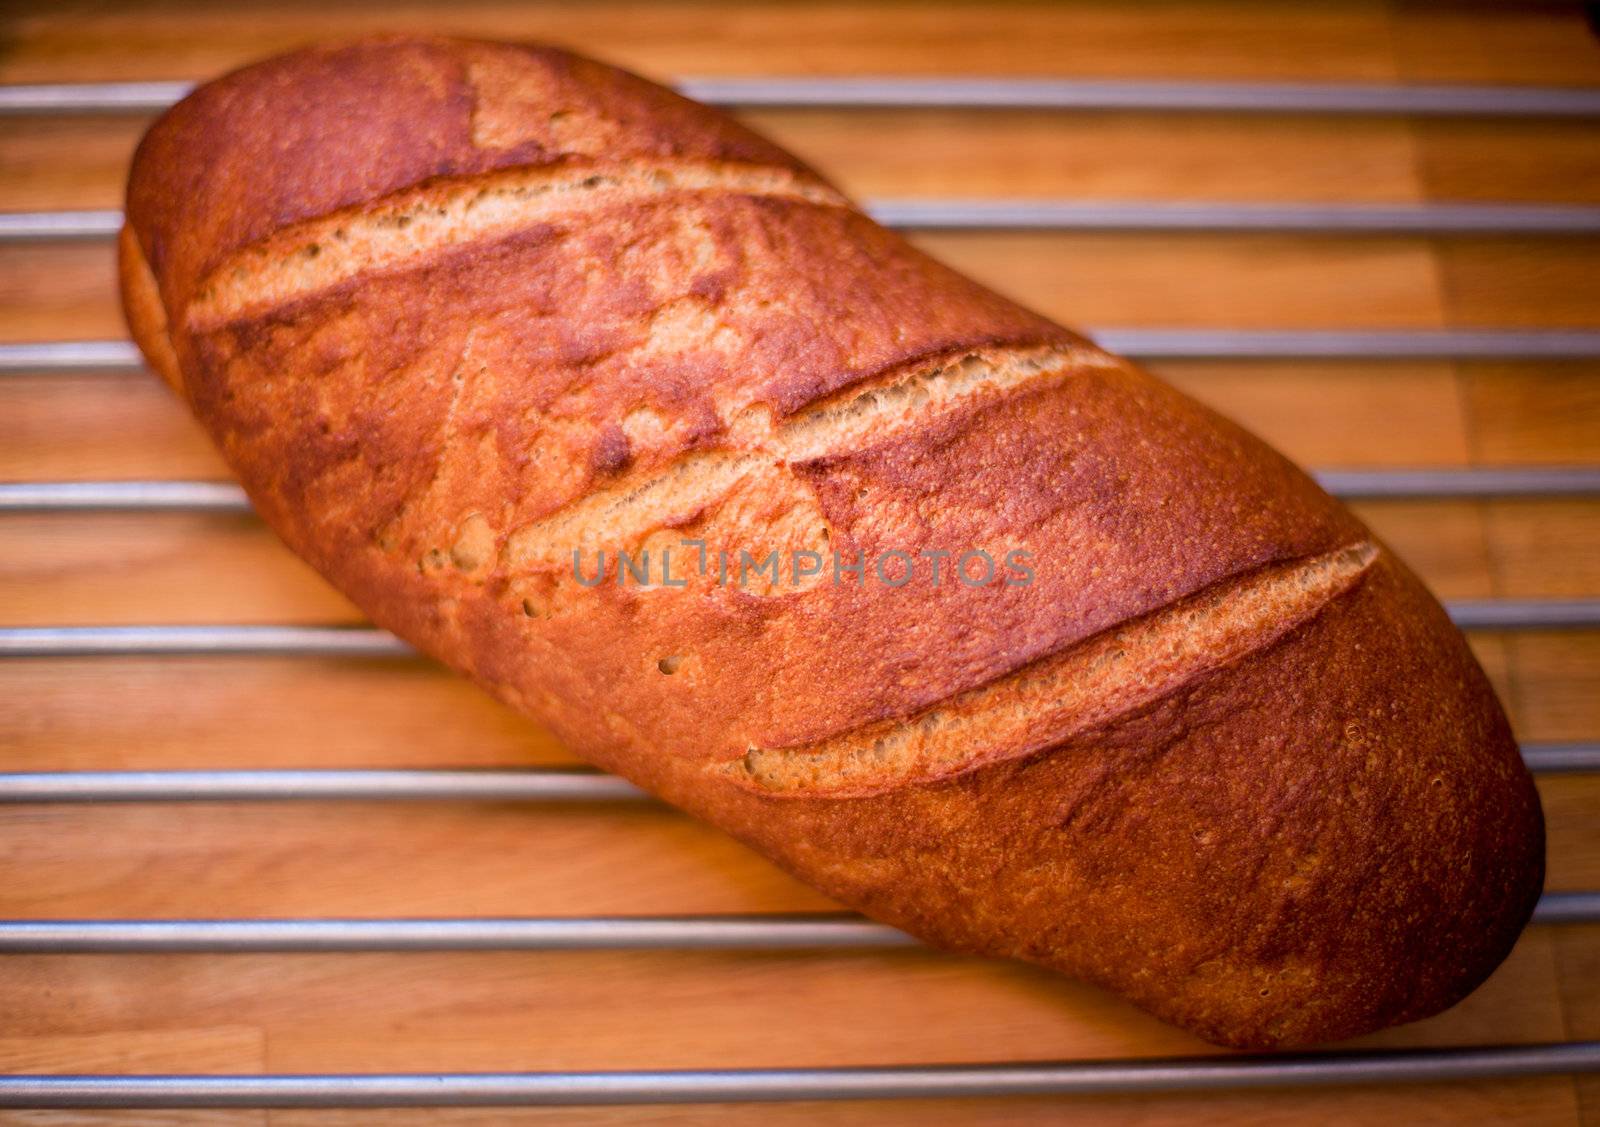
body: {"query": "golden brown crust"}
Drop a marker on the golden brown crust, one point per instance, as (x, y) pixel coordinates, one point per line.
(1306, 821)
(305, 134)
(1298, 847)
(146, 316)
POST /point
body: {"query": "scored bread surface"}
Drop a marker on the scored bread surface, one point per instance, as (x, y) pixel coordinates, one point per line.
(456, 312)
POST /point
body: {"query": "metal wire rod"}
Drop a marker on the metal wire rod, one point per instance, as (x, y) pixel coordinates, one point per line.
(1525, 614)
(1377, 485)
(1561, 758)
(492, 785)
(604, 933)
(499, 933)
(486, 785)
(122, 641)
(1568, 908)
(36, 226)
(1064, 215)
(971, 93)
(682, 1086)
(71, 356)
(90, 97)
(1149, 344)
(1123, 94)
(358, 641)
(122, 497)
(1289, 344)
(1358, 485)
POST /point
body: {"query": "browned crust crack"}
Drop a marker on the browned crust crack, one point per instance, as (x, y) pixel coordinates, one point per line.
(1064, 694)
(630, 509)
(409, 226)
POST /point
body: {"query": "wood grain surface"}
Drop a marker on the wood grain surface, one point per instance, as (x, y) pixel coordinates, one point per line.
(681, 1009)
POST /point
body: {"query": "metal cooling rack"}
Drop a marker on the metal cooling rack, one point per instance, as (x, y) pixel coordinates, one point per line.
(774, 932)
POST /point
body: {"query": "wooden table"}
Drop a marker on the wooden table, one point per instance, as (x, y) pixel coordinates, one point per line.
(618, 1010)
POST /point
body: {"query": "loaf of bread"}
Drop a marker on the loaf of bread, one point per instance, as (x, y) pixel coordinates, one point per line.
(620, 410)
